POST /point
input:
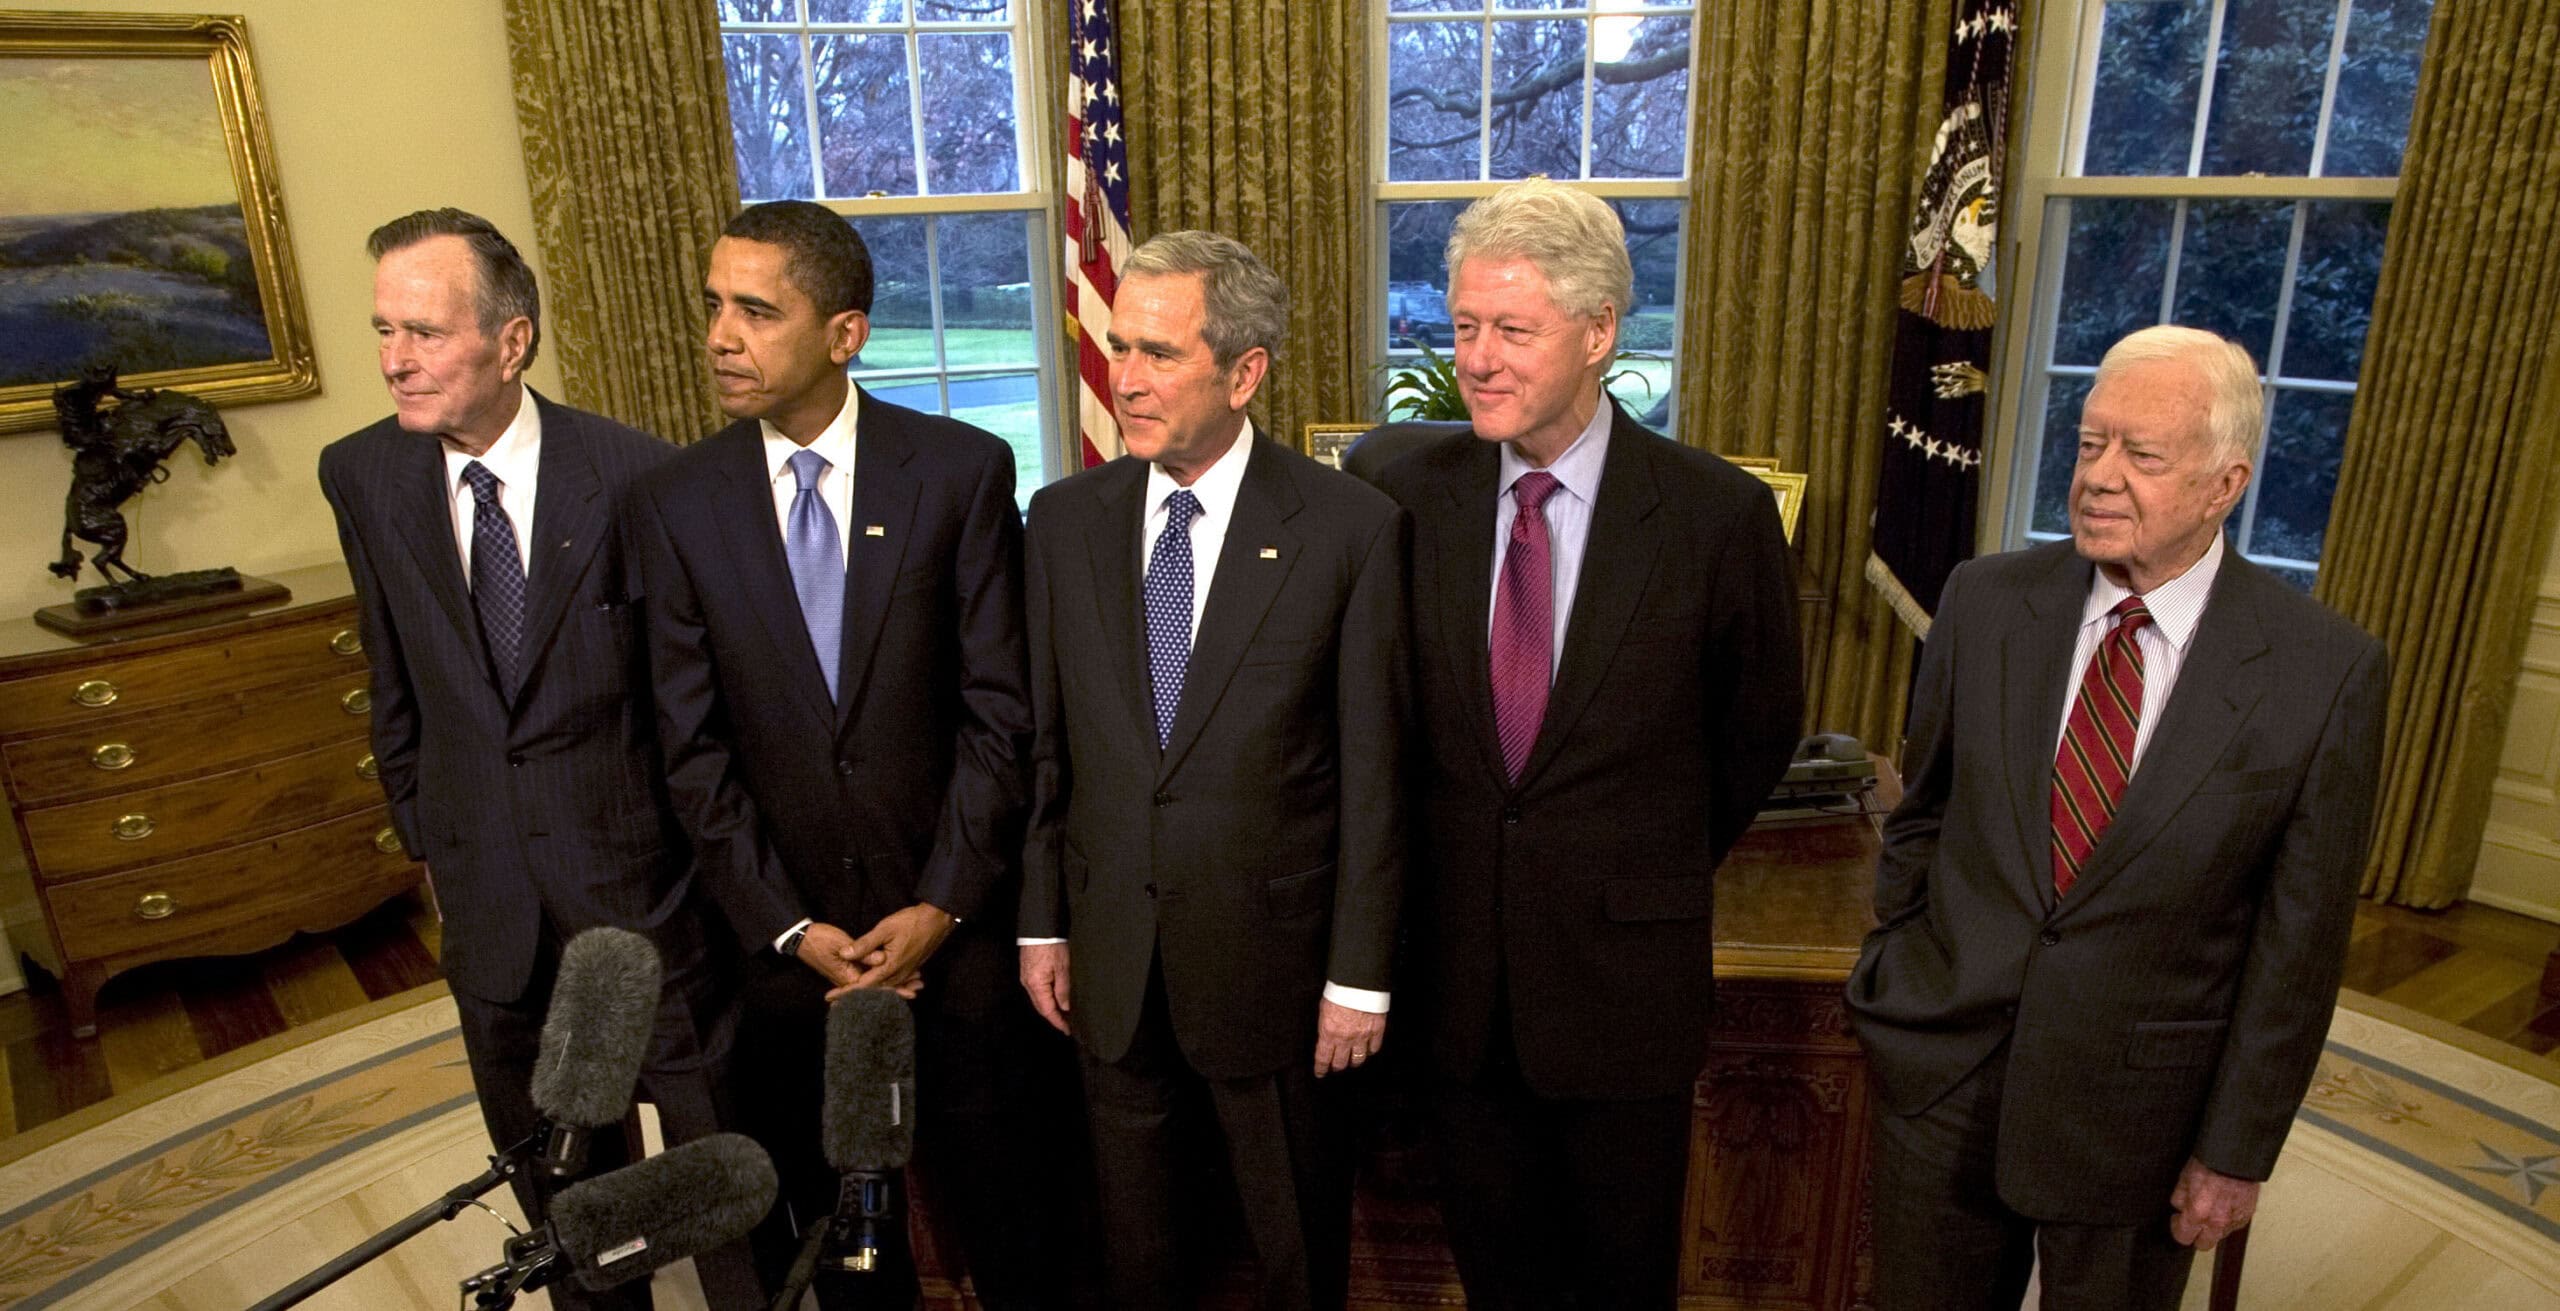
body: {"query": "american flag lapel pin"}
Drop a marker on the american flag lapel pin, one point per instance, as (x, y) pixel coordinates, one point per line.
(876, 530)
(1271, 553)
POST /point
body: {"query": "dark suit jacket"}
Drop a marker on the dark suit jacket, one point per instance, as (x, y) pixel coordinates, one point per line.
(1583, 897)
(526, 801)
(909, 787)
(1261, 852)
(2175, 1002)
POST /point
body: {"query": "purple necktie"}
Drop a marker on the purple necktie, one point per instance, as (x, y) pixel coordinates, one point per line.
(1524, 629)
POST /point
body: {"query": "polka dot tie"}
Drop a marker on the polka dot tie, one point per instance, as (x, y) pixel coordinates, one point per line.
(497, 575)
(1168, 600)
(1524, 630)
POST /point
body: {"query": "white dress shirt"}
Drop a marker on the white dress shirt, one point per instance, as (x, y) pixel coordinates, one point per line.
(1216, 489)
(515, 460)
(1567, 511)
(2176, 606)
(834, 444)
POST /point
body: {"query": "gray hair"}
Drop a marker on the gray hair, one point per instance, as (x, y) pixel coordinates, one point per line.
(505, 289)
(1244, 307)
(2235, 405)
(1571, 236)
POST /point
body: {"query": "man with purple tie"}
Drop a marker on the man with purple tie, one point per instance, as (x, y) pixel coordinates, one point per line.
(1608, 679)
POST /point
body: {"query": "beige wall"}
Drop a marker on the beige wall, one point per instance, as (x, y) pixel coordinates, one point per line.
(2519, 866)
(374, 109)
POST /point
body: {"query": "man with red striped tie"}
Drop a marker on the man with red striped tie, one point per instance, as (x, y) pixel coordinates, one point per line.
(2115, 897)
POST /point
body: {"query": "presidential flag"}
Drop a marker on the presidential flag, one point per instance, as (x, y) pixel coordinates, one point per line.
(1097, 195)
(1932, 473)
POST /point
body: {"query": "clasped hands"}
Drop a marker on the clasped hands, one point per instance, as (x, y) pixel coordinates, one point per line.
(1344, 1037)
(889, 956)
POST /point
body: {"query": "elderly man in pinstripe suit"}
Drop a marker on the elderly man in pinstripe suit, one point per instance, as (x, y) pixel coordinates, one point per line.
(509, 717)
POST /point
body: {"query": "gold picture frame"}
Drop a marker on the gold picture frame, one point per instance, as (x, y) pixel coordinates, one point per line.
(1789, 489)
(131, 253)
(1327, 441)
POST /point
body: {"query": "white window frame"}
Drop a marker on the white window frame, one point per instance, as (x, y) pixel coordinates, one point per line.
(1035, 135)
(1382, 353)
(2062, 82)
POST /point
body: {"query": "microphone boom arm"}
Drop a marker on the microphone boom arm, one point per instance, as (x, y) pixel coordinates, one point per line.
(502, 1167)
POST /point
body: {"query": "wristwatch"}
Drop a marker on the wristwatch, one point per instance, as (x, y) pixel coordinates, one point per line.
(790, 944)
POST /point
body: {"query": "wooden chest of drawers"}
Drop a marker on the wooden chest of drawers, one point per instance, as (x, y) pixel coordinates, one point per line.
(206, 790)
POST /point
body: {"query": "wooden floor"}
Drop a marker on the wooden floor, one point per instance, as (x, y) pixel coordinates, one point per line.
(163, 1018)
(2470, 966)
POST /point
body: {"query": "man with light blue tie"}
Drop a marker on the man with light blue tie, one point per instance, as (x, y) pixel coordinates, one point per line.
(835, 635)
(1218, 688)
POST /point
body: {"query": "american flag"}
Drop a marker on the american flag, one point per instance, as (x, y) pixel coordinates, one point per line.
(1097, 216)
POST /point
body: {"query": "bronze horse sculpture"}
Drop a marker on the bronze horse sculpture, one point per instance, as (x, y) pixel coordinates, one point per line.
(117, 451)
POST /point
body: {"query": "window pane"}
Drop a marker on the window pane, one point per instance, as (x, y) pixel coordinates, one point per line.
(901, 298)
(1434, 71)
(1436, 7)
(758, 11)
(768, 115)
(963, 11)
(2230, 268)
(2112, 274)
(2266, 88)
(1417, 283)
(857, 11)
(2142, 111)
(915, 393)
(866, 132)
(985, 262)
(2378, 79)
(969, 141)
(2306, 437)
(1007, 405)
(2333, 290)
(1640, 126)
(2064, 394)
(1537, 98)
(1653, 246)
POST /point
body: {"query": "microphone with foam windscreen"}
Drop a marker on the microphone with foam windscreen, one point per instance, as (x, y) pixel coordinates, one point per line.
(604, 1002)
(624, 1223)
(866, 1130)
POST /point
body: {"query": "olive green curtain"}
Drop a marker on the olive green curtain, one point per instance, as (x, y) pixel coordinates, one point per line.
(2442, 512)
(624, 110)
(1249, 119)
(1814, 120)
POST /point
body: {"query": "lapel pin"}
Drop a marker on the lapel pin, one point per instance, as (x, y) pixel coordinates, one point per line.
(876, 530)
(1271, 553)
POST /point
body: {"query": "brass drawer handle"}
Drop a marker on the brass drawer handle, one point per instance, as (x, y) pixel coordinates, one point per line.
(154, 906)
(387, 841)
(134, 827)
(346, 642)
(367, 768)
(111, 757)
(95, 694)
(356, 702)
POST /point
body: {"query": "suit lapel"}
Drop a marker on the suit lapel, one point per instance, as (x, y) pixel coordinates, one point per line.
(1240, 593)
(2035, 660)
(425, 515)
(743, 507)
(2218, 685)
(568, 523)
(1112, 556)
(884, 497)
(1617, 562)
(1465, 563)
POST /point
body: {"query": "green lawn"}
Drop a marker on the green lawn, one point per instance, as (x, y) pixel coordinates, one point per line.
(912, 348)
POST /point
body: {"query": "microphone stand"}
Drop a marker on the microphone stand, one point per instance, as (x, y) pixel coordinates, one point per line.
(862, 1202)
(504, 1166)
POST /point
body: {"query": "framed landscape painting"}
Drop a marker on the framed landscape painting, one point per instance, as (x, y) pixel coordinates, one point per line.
(140, 225)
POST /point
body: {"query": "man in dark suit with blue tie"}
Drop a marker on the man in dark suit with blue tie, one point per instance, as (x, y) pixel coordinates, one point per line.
(511, 718)
(836, 634)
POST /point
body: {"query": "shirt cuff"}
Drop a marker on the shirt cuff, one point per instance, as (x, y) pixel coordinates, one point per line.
(1039, 942)
(1358, 999)
(785, 935)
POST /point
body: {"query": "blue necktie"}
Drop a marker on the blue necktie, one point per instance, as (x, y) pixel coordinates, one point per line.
(1168, 597)
(497, 575)
(817, 564)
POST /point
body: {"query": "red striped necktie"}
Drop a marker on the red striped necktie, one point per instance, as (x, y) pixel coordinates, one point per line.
(2096, 757)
